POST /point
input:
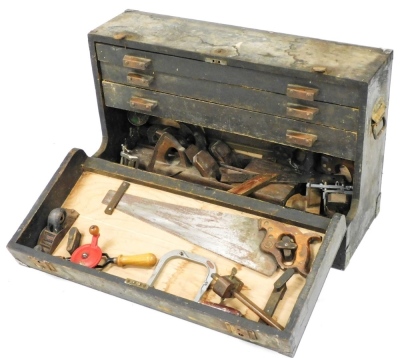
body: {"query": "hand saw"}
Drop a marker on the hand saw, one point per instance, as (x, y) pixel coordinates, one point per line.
(235, 237)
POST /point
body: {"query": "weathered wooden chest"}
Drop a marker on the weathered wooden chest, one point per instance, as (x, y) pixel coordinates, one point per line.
(237, 167)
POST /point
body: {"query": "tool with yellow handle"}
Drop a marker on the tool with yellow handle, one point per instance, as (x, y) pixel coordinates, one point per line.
(90, 255)
(142, 260)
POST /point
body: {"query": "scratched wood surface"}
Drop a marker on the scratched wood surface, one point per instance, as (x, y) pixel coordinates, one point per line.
(248, 45)
(123, 234)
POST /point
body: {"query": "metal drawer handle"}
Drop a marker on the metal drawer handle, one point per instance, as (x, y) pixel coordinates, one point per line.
(138, 63)
(142, 104)
(301, 112)
(139, 80)
(299, 138)
(301, 92)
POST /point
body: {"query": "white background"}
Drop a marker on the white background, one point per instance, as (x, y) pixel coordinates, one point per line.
(48, 106)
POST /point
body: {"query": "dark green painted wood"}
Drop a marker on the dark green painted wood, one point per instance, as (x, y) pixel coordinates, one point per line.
(330, 115)
(285, 342)
(250, 124)
(269, 81)
(243, 47)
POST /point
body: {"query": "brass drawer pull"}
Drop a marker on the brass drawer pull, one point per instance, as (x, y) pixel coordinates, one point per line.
(299, 138)
(142, 104)
(301, 92)
(138, 63)
(301, 112)
(139, 80)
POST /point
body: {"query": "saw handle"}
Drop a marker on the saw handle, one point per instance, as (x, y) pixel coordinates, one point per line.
(302, 257)
(143, 260)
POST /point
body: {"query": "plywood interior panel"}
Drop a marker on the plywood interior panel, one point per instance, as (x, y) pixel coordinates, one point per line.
(126, 235)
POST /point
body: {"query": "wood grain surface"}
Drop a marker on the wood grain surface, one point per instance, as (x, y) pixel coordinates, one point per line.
(121, 234)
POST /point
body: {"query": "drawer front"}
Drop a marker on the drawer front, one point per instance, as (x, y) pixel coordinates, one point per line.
(238, 121)
(331, 115)
(153, 63)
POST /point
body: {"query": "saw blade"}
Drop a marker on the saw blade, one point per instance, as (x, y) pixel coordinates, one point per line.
(235, 237)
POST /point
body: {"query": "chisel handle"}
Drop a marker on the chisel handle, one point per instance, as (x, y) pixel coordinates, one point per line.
(143, 260)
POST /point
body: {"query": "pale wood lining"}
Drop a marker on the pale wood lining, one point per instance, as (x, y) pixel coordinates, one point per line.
(123, 234)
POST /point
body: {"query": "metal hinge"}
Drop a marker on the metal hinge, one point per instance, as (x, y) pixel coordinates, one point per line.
(43, 265)
(131, 282)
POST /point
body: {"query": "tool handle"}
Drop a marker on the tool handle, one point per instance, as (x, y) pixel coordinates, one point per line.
(143, 260)
(257, 310)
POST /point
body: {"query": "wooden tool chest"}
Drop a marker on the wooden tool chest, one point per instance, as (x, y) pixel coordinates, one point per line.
(219, 121)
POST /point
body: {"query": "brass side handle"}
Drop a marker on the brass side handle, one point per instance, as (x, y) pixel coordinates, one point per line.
(142, 104)
(378, 120)
(301, 92)
(300, 138)
(302, 112)
(138, 63)
(139, 80)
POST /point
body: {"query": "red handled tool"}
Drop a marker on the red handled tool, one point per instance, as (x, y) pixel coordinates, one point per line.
(90, 255)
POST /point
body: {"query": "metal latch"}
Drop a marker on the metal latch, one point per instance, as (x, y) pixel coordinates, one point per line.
(240, 332)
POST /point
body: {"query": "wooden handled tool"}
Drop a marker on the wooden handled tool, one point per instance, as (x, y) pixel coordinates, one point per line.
(90, 255)
(289, 246)
(143, 260)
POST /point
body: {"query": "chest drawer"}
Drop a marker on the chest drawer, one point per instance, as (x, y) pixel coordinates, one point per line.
(250, 124)
(252, 99)
(329, 90)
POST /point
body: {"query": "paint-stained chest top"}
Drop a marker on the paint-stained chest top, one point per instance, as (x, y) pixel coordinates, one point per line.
(243, 47)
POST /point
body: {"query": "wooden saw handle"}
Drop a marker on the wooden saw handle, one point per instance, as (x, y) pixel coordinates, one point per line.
(143, 260)
(275, 231)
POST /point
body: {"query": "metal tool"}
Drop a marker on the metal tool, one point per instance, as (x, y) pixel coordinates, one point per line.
(91, 255)
(59, 222)
(235, 237)
(273, 244)
(335, 197)
(230, 286)
(128, 156)
(116, 198)
(129, 159)
(279, 291)
(206, 164)
(168, 151)
(74, 240)
(180, 254)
